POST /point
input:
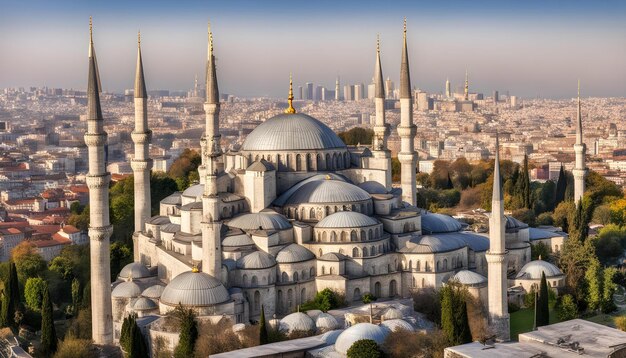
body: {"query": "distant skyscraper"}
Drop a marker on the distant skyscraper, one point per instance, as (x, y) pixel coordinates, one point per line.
(318, 93)
(337, 90)
(357, 92)
(389, 88)
(448, 92)
(348, 93)
(371, 91)
(466, 88)
(300, 92)
(309, 90)
(496, 96)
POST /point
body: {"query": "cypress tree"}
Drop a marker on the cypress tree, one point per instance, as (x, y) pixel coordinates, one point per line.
(561, 186)
(48, 332)
(11, 298)
(447, 314)
(454, 320)
(449, 184)
(525, 184)
(137, 346)
(464, 335)
(188, 333)
(125, 334)
(542, 311)
(75, 295)
(263, 336)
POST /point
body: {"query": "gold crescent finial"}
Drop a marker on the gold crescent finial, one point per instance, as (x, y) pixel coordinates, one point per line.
(290, 110)
(194, 268)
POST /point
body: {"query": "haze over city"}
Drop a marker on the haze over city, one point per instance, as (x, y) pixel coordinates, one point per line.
(532, 49)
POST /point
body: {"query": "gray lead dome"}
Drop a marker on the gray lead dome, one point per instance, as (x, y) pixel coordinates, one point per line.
(291, 132)
(196, 289)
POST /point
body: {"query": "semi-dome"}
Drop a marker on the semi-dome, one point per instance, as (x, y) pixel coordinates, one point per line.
(262, 220)
(469, 278)
(328, 191)
(533, 270)
(514, 224)
(144, 304)
(297, 322)
(237, 241)
(153, 291)
(373, 187)
(346, 219)
(332, 256)
(325, 321)
(291, 132)
(134, 270)
(433, 223)
(435, 243)
(195, 289)
(127, 289)
(397, 324)
(194, 191)
(360, 331)
(294, 253)
(256, 260)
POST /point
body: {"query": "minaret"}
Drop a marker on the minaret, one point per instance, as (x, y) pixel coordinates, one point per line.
(466, 92)
(337, 95)
(381, 128)
(141, 163)
(448, 92)
(406, 130)
(100, 228)
(497, 258)
(211, 154)
(580, 169)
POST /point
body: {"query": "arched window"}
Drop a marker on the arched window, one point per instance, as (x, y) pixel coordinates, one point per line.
(355, 252)
(423, 282)
(376, 233)
(414, 282)
(304, 275)
(255, 281)
(393, 290)
(380, 249)
(280, 301)
(333, 236)
(298, 163)
(363, 235)
(369, 234)
(332, 270)
(284, 277)
(312, 272)
(257, 301)
(445, 264)
(356, 296)
(303, 297)
(344, 236)
(320, 252)
(325, 237)
(245, 279)
(427, 266)
(328, 164)
(290, 298)
(323, 270)
(377, 289)
(365, 252)
(417, 265)
(295, 277)
(437, 269)
(312, 214)
(373, 250)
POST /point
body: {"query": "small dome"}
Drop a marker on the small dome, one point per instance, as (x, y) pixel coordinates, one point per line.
(144, 304)
(256, 260)
(194, 191)
(328, 191)
(195, 289)
(194, 205)
(313, 313)
(263, 221)
(514, 224)
(392, 313)
(346, 219)
(170, 228)
(260, 166)
(325, 321)
(294, 253)
(332, 256)
(134, 270)
(274, 323)
(440, 243)
(469, 278)
(533, 270)
(291, 132)
(438, 223)
(373, 187)
(237, 240)
(297, 322)
(360, 331)
(395, 325)
(127, 289)
(153, 291)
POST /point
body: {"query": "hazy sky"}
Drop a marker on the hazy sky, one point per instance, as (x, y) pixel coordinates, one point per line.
(530, 48)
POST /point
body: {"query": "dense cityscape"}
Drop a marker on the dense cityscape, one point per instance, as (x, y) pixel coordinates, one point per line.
(358, 219)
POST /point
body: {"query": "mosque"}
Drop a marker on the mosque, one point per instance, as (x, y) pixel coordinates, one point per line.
(291, 212)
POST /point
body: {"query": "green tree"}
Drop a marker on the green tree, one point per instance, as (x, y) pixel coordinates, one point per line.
(27, 260)
(454, 321)
(593, 277)
(188, 332)
(609, 288)
(602, 215)
(34, 292)
(564, 214)
(365, 348)
(263, 337)
(75, 296)
(125, 334)
(539, 251)
(525, 215)
(80, 220)
(184, 169)
(523, 186)
(325, 300)
(137, 343)
(76, 208)
(610, 243)
(395, 169)
(161, 186)
(357, 135)
(567, 308)
(48, 332)
(121, 255)
(542, 311)
(561, 185)
(11, 298)
(63, 266)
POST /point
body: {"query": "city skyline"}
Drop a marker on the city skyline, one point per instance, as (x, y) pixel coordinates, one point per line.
(524, 51)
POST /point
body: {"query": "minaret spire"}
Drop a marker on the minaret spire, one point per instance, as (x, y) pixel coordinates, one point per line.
(580, 168)
(381, 128)
(100, 228)
(497, 258)
(406, 130)
(141, 163)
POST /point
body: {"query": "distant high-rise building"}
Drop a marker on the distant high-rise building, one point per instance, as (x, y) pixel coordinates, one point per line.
(496, 96)
(513, 101)
(466, 88)
(357, 92)
(309, 91)
(348, 93)
(300, 92)
(389, 88)
(337, 90)
(318, 93)
(371, 91)
(448, 92)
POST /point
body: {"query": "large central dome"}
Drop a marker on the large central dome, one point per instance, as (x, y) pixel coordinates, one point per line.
(291, 132)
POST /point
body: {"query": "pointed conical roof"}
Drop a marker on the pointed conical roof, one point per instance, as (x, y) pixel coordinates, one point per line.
(405, 77)
(579, 120)
(93, 85)
(140, 84)
(212, 92)
(497, 178)
(379, 88)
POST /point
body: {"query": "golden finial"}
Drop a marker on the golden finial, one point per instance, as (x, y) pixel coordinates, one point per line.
(194, 268)
(328, 177)
(290, 110)
(210, 37)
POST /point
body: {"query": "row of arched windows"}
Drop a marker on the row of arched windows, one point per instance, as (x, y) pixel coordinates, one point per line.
(345, 236)
(303, 275)
(320, 212)
(288, 304)
(254, 281)
(306, 162)
(362, 252)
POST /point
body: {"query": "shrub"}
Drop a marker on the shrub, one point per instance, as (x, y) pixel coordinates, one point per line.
(620, 323)
(566, 308)
(427, 301)
(401, 344)
(364, 348)
(545, 219)
(75, 348)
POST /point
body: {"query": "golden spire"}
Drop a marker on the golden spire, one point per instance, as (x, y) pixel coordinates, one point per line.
(194, 268)
(290, 110)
